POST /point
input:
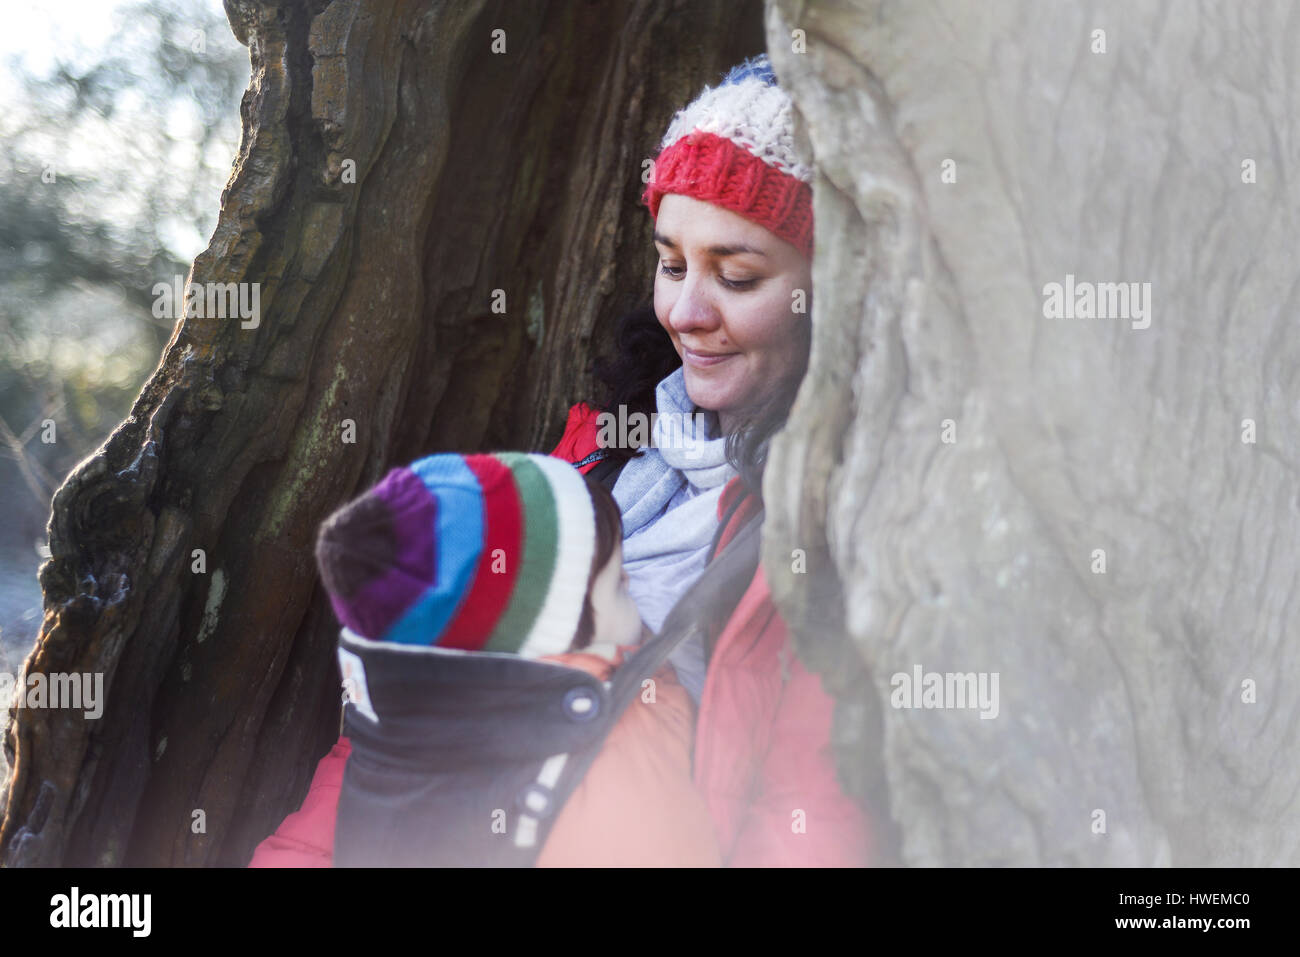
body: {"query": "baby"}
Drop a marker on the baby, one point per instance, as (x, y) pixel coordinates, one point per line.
(441, 574)
(505, 553)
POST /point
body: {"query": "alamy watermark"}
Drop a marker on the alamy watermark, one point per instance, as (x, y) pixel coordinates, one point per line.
(672, 430)
(210, 300)
(1098, 300)
(79, 691)
(75, 909)
(933, 689)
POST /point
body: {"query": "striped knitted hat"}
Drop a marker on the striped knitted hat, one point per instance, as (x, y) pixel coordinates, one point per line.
(477, 552)
(736, 146)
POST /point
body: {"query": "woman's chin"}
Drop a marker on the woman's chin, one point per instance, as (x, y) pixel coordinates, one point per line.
(706, 391)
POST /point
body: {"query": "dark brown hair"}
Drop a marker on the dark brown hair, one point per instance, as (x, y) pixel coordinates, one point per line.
(609, 532)
(642, 356)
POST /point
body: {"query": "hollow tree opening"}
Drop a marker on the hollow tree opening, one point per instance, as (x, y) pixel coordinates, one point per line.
(440, 204)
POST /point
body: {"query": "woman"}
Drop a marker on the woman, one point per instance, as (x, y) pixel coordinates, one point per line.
(733, 229)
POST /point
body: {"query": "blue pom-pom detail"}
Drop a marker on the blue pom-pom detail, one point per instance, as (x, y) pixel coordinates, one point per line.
(759, 66)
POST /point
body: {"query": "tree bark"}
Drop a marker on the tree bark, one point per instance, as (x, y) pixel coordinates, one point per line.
(966, 484)
(1125, 691)
(394, 174)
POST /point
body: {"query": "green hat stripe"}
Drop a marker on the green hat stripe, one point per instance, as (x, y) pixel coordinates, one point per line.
(537, 564)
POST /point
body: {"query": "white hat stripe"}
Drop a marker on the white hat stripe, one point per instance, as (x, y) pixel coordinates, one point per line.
(750, 113)
(557, 621)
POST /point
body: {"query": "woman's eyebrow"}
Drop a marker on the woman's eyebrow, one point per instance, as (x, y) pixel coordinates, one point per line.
(721, 250)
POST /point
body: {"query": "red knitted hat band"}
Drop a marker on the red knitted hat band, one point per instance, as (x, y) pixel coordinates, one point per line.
(715, 170)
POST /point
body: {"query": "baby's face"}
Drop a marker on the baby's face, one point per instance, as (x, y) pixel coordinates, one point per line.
(616, 619)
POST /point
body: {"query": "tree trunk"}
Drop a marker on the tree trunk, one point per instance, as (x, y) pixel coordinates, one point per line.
(440, 233)
(1155, 684)
(967, 484)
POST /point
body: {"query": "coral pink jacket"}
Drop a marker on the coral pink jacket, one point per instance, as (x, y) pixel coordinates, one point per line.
(762, 758)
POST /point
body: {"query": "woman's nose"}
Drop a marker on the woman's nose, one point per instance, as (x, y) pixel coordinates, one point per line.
(692, 310)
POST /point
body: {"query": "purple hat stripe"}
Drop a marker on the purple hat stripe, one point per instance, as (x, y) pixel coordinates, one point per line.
(382, 600)
(459, 541)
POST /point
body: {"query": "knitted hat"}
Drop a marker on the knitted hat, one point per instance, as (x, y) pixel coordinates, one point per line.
(477, 552)
(735, 146)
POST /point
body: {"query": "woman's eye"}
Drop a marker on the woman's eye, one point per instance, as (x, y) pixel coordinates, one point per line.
(676, 272)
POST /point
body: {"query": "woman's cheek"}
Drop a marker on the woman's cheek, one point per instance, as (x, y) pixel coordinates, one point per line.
(781, 333)
(663, 302)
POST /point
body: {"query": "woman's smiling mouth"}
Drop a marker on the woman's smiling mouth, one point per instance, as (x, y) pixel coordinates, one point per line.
(703, 360)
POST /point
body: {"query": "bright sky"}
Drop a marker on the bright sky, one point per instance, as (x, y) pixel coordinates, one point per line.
(39, 32)
(36, 36)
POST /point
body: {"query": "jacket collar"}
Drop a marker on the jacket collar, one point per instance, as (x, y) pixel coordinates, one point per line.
(413, 704)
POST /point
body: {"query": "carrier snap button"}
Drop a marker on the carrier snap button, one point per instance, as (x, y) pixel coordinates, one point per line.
(535, 799)
(581, 705)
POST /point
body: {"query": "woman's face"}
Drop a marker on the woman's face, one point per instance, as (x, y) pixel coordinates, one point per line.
(724, 292)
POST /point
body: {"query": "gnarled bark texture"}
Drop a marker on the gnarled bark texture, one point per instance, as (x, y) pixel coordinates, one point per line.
(1124, 691)
(396, 169)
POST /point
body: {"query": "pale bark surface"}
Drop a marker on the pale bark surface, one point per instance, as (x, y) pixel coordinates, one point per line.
(1120, 691)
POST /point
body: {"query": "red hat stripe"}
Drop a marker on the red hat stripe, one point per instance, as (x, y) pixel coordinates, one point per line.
(489, 594)
(712, 168)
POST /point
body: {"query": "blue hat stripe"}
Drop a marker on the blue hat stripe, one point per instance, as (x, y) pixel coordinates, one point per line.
(458, 545)
(759, 67)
